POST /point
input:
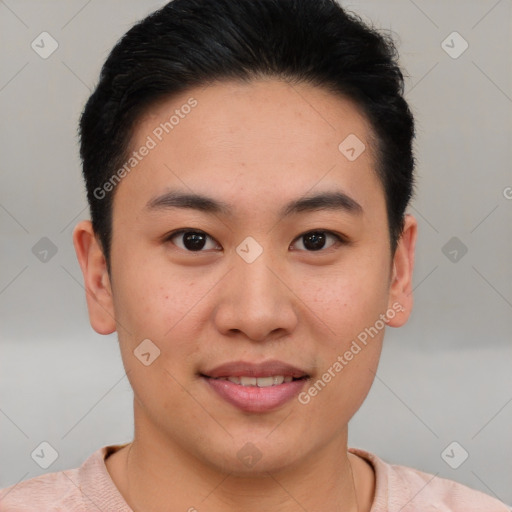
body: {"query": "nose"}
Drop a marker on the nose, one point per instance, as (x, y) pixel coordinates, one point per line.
(256, 302)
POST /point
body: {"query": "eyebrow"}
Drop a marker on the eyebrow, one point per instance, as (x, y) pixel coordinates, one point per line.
(323, 201)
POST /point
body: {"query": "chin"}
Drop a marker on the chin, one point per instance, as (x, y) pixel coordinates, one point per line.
(253, 456)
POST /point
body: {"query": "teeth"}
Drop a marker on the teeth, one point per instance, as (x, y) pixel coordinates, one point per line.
(261, 382)
(248, 381)
(265, 382)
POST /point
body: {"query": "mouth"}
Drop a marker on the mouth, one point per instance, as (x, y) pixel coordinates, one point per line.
(261, 382)
(256, 387)
(248, 370)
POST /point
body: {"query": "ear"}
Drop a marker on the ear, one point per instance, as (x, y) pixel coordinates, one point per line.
(400, 292)
(96, 279)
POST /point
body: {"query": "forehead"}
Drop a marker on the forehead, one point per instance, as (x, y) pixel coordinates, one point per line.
(252, 140)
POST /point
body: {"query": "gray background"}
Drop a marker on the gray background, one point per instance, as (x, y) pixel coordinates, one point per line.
(443, 377)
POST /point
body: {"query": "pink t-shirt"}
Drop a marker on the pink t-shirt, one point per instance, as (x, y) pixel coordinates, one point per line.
(89, 487)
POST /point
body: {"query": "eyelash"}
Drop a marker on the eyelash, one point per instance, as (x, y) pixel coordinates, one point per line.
(339, 239)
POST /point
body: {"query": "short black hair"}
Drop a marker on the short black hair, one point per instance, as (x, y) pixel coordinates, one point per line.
(191, 43)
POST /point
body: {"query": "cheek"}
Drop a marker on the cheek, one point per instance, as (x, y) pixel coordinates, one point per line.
(153, 299)
(343, 379)
(160, 310)
(348, 301)
(168, 308)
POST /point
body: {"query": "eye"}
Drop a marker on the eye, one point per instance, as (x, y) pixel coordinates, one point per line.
(192, 240)
(317, 240)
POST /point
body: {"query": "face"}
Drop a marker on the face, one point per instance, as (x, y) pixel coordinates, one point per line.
(247, 235)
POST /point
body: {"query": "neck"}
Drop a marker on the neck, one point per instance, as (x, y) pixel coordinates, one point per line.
(154, 474)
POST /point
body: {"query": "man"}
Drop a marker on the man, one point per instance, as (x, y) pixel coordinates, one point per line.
(248, 166)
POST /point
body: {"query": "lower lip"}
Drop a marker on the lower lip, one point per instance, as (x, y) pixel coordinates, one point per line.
(253, 398)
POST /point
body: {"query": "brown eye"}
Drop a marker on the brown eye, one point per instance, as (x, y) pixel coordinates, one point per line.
(317, 240)
(194, 241)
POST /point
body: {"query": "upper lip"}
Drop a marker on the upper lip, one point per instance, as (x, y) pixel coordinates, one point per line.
(263, 369)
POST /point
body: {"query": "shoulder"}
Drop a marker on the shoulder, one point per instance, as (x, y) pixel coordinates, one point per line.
(408, 489)
(81, 489)
(46, 492)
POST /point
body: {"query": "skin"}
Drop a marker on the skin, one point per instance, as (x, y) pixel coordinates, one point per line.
(255, 146)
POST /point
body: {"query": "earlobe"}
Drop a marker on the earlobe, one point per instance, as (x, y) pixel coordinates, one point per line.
(400, 292)
(96, 279)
